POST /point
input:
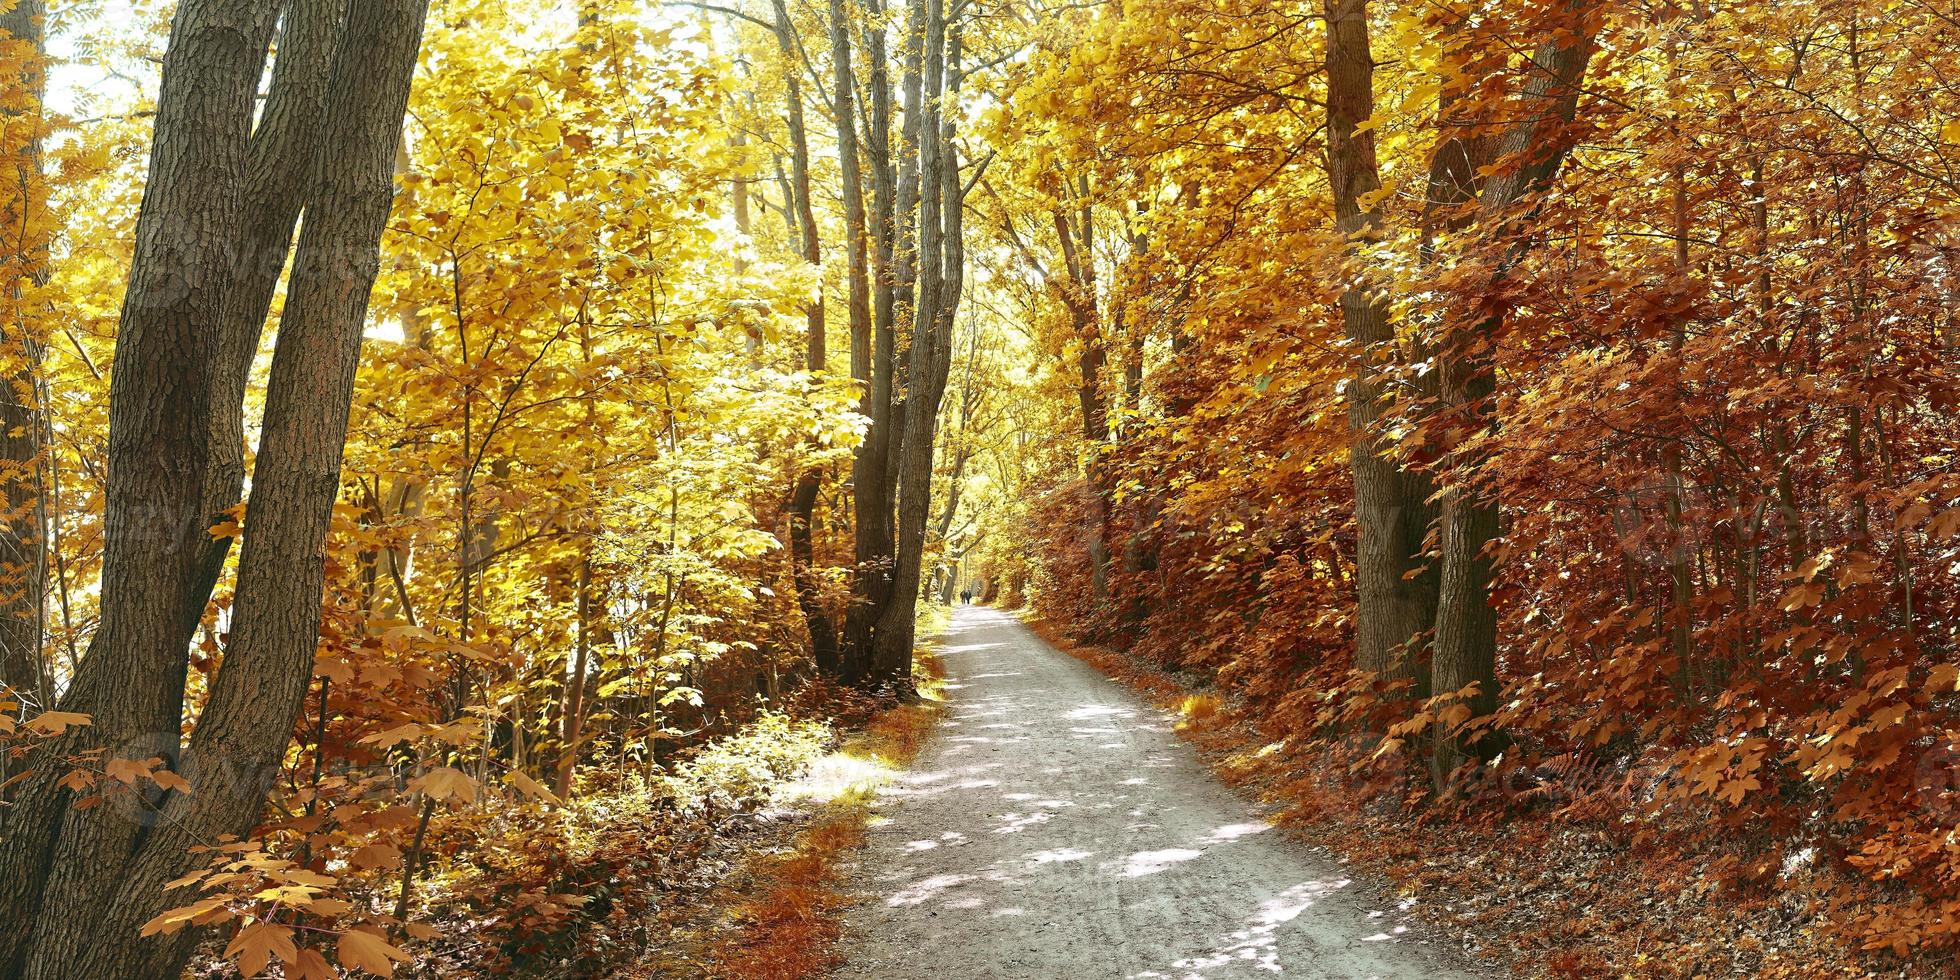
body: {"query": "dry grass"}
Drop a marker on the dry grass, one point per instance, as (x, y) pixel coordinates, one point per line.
(1197, 710)
(789, 929)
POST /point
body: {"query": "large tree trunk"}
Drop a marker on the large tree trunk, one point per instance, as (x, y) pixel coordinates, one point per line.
(23, 258)
(278, 166)
(876, 470)
(1466, 626)
(131, 680)
(871, 365)
(1396, 596)
(98, 896)
(1085, 316)
(258, 693)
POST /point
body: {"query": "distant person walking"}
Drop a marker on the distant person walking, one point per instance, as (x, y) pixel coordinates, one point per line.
(966, 596)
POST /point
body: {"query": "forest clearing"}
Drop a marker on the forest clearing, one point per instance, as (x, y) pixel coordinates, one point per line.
(788, 489)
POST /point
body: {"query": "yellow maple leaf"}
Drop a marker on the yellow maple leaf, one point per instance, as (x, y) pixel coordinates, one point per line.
(362, 950)
(257, 944)
(56, 722)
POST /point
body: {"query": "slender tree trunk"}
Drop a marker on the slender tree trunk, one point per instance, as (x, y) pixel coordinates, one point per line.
(803, 495)
(971, 397)
(23, 258)
(574, 711)
(394, 564)
(1466, 625)
(962, 449)
(1680, 611)
(884, 192)
(1139, 540)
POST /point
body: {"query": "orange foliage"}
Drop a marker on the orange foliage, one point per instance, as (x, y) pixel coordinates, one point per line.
(1725, 384)
(789, 929)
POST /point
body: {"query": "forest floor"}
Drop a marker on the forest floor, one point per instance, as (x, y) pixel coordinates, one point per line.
(767, 904)
(1056, 826)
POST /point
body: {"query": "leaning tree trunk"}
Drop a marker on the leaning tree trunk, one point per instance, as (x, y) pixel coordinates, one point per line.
(277, 168)
(257, 695)
(1396, 596)
(23, 259)
(1465, 658)
(131, 681)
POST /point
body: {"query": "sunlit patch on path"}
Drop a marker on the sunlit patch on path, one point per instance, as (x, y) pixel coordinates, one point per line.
(1058, 828)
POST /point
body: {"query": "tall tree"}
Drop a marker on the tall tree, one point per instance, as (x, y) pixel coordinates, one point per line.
(81, 882)
(1532, 149)
(278, 166)
(130, 681)
(1396, 595)
(939, 281)
(23, 259)
(1077, 237)
(803, 495)
(873, 341)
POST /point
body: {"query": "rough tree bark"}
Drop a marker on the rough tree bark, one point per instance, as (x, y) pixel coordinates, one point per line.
(131, 680)
(1085, 316)
(803, 495)
(102, 885)
(278, 165)
(1465, 658)
(1396, 597)
(871, 365)
(940, 278)
(240, 739)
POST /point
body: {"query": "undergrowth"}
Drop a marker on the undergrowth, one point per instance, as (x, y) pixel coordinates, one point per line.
(790, 925)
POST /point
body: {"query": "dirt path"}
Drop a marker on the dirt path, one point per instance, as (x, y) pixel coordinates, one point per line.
(1057, 828)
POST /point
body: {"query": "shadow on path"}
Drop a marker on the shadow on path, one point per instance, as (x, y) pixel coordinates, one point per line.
(1056, 827)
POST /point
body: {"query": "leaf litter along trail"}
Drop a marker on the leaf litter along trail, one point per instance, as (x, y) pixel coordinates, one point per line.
(1057, 828)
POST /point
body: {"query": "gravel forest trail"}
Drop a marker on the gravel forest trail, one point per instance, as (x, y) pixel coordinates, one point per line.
(1057, 827)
